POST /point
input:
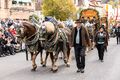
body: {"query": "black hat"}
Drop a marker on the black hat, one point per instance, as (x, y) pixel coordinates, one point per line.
(102, 26)
(78, 21)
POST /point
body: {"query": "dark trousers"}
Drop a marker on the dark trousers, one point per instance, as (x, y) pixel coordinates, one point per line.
(1, 50)
(101, 49)
(10, 49)
(80, 56)
(118, 40)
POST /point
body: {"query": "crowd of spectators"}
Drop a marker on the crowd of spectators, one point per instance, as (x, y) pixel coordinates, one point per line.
(8, 38)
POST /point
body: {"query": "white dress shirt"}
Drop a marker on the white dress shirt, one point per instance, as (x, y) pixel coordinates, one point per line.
(78, 36)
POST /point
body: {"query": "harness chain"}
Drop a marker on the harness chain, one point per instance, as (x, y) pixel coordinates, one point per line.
(59, 35)
(63, 37)
(32, 42)
(50, 44)
(32, 45)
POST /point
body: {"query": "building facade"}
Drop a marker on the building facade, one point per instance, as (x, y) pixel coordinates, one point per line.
(4, 8)
(16, 9)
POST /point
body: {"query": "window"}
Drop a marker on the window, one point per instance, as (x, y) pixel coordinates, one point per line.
(6, 4)
(25, 3)
(14, 2)
(20, 2)
(29, 4)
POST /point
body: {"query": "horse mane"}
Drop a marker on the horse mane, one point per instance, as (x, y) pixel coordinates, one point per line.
(26, 23)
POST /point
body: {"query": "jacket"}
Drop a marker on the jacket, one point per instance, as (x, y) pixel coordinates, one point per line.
(105, 38)
(85, 41)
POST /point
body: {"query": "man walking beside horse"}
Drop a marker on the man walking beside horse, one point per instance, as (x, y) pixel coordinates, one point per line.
(80, 40)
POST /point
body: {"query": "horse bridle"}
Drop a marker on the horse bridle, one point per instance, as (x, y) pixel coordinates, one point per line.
(19, 29)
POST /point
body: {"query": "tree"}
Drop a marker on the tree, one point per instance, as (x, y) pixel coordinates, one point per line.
(60, 9)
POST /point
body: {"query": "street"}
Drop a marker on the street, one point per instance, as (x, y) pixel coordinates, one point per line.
(17, 68)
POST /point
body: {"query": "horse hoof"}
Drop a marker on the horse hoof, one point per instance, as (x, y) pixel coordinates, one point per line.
(54, 71)
(51, 69)
(60, 58)
(33, 70)
(67, 65)
(43, 65)
(65, 62)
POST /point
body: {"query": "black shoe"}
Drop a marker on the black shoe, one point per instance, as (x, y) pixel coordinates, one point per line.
(78, 70)
(3, 55)
(102, 61)
(82, 71)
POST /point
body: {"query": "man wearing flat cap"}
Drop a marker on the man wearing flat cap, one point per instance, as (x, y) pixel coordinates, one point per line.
(80, 40)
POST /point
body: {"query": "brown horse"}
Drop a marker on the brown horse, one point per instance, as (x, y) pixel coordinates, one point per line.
(56, 40)
(30, 34)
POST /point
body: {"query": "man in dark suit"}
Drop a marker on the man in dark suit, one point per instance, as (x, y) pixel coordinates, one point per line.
(117, 32)
(80, 40)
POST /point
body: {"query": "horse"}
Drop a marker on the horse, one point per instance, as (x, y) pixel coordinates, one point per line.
(29, 33)
(90, 28)
(55, 40)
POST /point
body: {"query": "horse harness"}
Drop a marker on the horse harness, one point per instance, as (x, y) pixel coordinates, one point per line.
(51, 43)
(32, 45)
(59, 35)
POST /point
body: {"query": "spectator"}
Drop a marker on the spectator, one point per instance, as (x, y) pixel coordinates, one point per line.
(117, 32)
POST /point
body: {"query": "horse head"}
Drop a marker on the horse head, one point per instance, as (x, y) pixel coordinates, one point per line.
(25, 30)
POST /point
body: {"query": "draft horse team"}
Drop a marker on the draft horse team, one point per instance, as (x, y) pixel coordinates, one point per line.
(46, 36)
(49, 37)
